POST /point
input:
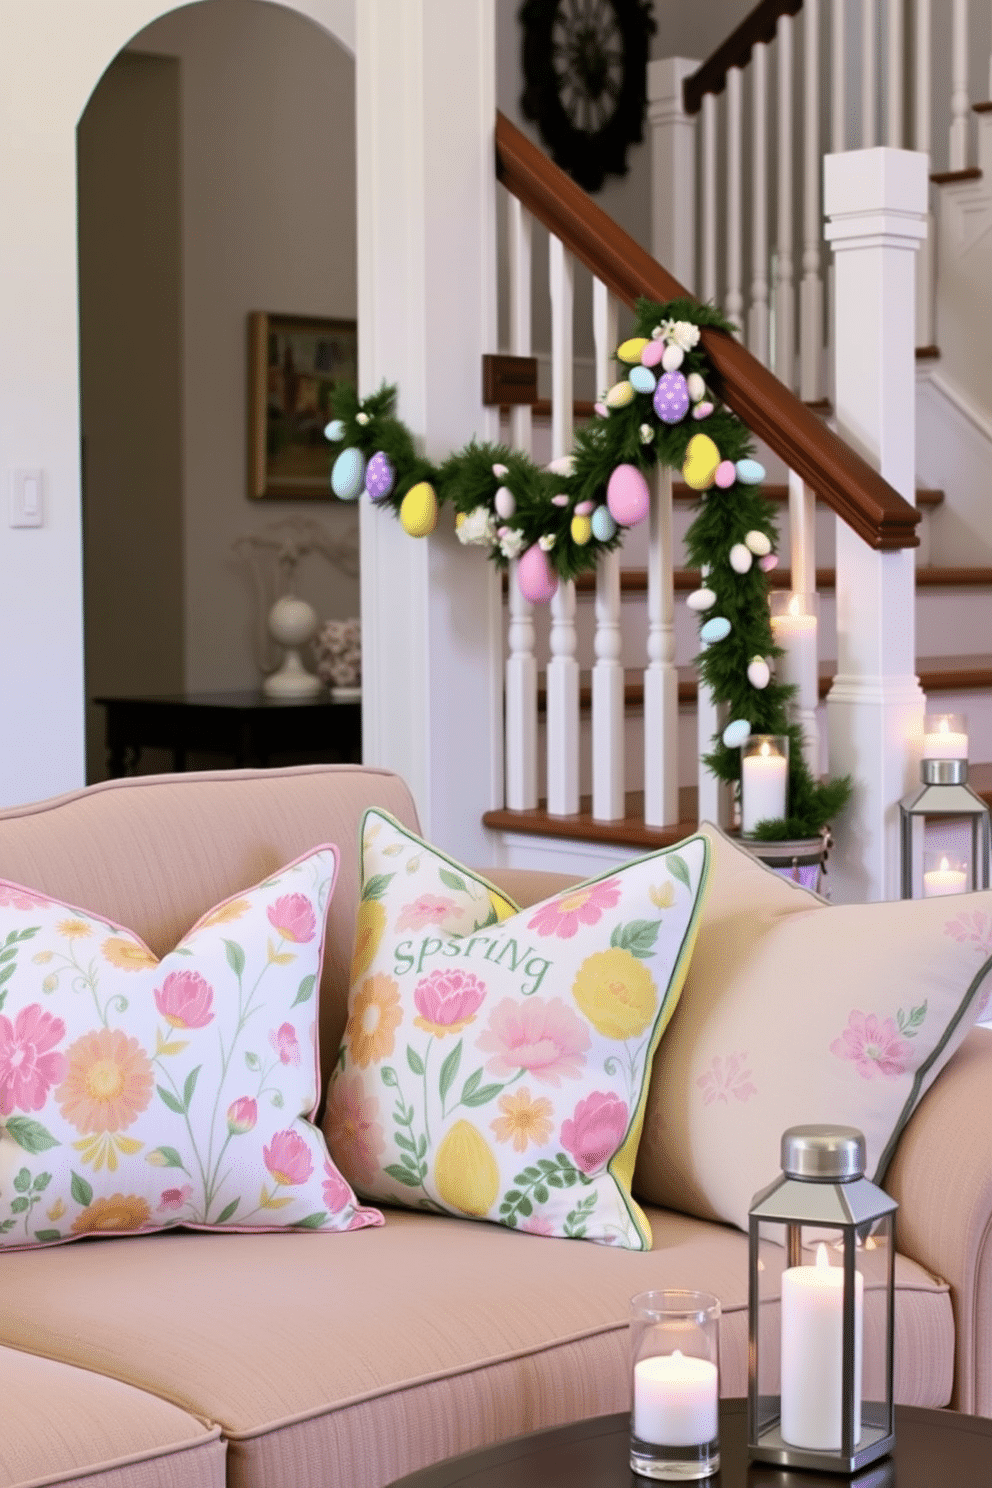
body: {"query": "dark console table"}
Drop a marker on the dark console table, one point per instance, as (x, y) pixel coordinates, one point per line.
(245, 726)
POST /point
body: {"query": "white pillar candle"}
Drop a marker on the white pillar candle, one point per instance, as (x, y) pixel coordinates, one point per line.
(938, 882)
(675, 1400)
(944, 743)
(812, 1354)
(795, 632)
(764, 776)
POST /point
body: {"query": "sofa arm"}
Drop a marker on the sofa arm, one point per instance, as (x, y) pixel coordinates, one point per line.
(941, 1175)
(527, 886)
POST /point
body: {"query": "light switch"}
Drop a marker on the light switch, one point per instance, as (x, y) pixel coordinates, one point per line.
(27, 506)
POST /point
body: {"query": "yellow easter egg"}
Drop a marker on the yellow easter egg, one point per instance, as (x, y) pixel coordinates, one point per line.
(418, 512)
(465, 1171)
(701, 461)
(620, 394)
(581, 530)
(630, 351)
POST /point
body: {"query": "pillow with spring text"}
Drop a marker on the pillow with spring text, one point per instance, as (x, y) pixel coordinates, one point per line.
(138, 1094)
(495, 1064)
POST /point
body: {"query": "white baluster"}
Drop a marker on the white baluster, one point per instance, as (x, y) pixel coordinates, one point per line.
(802, 544)
(838, 77)
(869, 76)
(521, 661)
(733, 299)
(709, 197)
(923, 141)
(958, 153)
(757, 332)
(811, 295)
(608, 782)
(785, 315)
(661, 681)
(712, 798)
(894, 71)
(563, 668)
(673, 168)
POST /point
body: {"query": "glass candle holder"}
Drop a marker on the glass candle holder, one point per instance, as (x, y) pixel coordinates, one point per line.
(945, 736)
(944, 874)
(675, 1385)
(764, 779)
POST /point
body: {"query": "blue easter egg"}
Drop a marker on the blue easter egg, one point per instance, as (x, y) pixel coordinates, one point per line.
(750, 472)
(642, 380)
(716, 629)
(735, 733)
(379, 477)
(334, 431)
(671, 398)
(348, 475)
(603, 525)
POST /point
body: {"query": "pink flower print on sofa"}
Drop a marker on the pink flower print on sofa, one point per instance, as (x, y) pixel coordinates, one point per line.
(562, 917)
(29, 1063)
(288, 1158)
(595, 1130)
(873, 1047)
(545, 1038)
(185, 1000)
(448, 1000)
(292, 915)
(727, 1077)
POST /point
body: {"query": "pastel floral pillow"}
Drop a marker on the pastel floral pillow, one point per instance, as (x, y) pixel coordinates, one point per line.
(138, 1094)
(796, 1011)
(495, 1063)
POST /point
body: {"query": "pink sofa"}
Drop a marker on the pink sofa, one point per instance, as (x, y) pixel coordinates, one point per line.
(278, 1361)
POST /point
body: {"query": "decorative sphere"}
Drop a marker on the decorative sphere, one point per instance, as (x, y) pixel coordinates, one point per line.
(758, 542)
(735, 733)
(671, 398)
(292, 622)
(348, 474)
(672, 358)
(379, 477)
(627, 496)
(536, 579)
(741, 558)
(603, 526)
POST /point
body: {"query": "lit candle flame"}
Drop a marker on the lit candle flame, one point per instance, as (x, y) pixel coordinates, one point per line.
(764, 749)
(944, 865)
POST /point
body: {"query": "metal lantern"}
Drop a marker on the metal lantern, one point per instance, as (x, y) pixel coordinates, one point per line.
(944, 793)
(821, 1300)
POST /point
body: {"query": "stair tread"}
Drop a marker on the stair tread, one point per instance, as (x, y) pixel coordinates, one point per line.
(628, 831)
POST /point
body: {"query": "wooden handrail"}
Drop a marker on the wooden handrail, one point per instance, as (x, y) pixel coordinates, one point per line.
(845, 481)
(760, 25)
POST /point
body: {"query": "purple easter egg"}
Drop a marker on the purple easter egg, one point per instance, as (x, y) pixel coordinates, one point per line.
(536, 579)
(652, 353)
(671, 398)
(768, 562)
(726, 474)
(379, 477)
(627, 496)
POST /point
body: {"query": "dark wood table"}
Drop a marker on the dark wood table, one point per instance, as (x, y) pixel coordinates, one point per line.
(246, 727)
(934, 1449)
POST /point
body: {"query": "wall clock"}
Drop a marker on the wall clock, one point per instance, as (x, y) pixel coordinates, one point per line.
(585, 81)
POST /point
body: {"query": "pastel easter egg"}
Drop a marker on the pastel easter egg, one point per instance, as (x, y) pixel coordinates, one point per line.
(348, 474)
(672, 358)
(671, 398)
(418, 512)
(564, 465)
(536, 578)
(620, 394)
(581, 530)
(560, 500)
(741, 558)
(379, 477)
(750, 472)
(627, 496)
(642, 380)
(716, 629)
(758, 672)
(630, 351)
(505, 502)
(758, 543)
(601, 409)
(726, 474)
(701, 599)
(767, 563)
(702, 410)
(500, 470)
(603, 526)
(702, 460)
(585, 508)
(652, 353)
(696, 386)
(334, 431)
(735, 733)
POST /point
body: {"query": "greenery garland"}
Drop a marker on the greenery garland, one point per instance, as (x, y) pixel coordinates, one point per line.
(559, 520)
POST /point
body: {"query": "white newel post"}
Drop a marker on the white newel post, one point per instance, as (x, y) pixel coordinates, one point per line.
(673, 168)
(876, 203)
(431, 623)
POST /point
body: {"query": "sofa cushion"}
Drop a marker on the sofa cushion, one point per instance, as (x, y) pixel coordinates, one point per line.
(795, 1011)
(155, 852)
(138, 1094)
(61, 1424)
(495, 1064)
(358, 1361)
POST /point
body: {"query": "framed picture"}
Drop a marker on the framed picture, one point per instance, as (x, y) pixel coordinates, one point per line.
(294, 362)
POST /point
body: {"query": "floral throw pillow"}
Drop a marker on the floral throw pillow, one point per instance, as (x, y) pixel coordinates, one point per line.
(495, 1064)
(138, 1094)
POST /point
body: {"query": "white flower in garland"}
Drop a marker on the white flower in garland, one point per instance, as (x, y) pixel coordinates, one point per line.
(511, 544)
(647, 433)
(361, 418)
(478, 528)
(683, 333)
(547, 542)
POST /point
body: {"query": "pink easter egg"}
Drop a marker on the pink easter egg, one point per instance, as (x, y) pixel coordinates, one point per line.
(537, 580)
(702, 410)
(671, 398)
(602, 410)
(652, 353)
(726, 474)
(584, 508)
(559, 500)
(768, 563)
(627, 496)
